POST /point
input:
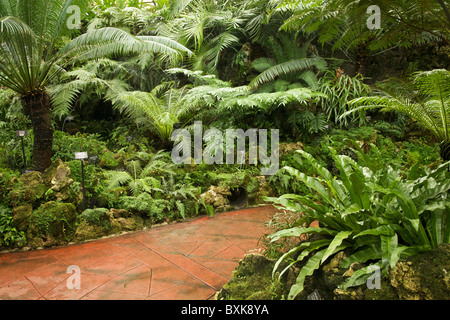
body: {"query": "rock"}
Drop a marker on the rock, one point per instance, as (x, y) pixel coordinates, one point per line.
(119, 213)
(86, 231)
(217, 197)
(53, 223)
(424, 276)
(57, 179)
(28, 190)
(21, 216)
(99, 222)
(286, 147)
(130, 224)
(252, 279)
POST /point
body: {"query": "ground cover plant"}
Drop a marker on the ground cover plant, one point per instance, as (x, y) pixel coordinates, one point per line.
(362, 114)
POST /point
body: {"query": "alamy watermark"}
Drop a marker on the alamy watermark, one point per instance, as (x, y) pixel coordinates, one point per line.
(215, 141)
(374, 21)
(74, 281)
(374, 281)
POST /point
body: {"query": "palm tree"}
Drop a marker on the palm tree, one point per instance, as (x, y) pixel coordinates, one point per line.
(426, 99)
(33, 55)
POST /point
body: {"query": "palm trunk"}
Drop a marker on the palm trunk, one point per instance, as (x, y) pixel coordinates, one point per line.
(38, 108)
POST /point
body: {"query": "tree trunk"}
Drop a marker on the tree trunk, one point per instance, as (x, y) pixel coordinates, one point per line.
(37, 107)
(445, 150)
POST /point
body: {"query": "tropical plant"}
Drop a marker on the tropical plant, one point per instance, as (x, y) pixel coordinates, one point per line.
(161, 113)
(138, 178)
(208, 27)
(340, 88)
(34, 53)
(426, 99)
(288, 62)
(343, 22)
(373, 213)
(215, 99)
(9, 235)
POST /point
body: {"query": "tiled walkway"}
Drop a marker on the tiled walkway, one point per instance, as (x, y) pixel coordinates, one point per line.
(188, 260)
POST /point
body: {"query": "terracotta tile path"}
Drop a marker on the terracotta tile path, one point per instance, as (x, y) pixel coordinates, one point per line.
(188, 260)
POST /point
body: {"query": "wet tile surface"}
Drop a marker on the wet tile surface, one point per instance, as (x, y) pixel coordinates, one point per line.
(190, 260)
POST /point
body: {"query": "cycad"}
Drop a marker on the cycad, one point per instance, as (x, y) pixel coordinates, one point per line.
(31, 57)
(426, 99)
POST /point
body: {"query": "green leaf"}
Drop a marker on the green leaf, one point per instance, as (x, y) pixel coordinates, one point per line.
(335, 243)
(362, 255)
(309, 268)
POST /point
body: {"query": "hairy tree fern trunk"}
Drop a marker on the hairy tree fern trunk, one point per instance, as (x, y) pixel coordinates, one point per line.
(37, 107)
(445, 150)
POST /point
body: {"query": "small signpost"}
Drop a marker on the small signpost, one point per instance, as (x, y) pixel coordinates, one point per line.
(68, 119)
(21, 134)
(81, 156)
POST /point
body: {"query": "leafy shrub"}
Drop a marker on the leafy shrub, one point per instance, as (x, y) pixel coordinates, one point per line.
(374, 213)
(9, 235)
(65, 145)
(340, 89)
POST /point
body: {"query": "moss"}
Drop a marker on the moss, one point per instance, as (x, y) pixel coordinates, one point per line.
(97, 216)
(22, 216)
(424, 276)
(252, 280)
(28, 190)
(53, 221)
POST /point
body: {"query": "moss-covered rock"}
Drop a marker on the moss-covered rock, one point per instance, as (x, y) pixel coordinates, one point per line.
(217, 197)
(252, 280)
(99, 222)
(21, 216)
(60, 184)
(425, 276)
(51, 224)
(86, 231)
(28, 190)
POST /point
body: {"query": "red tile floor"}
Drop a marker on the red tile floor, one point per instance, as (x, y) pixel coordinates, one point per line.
(188, 260)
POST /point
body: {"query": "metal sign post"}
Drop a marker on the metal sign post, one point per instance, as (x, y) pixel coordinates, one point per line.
(21, 134)
(81, 156)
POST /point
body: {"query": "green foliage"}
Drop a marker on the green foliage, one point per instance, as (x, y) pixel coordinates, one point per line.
(160, 114)
(66, 145)
(342, 22)
(340, 89)
(426, 99)
(288, 62)
(374, 212)
(96, 216)
(9, 235)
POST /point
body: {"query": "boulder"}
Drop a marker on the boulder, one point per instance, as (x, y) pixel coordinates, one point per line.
(217, 197)
(57, 178)
(86, 231)
(99, 222)
(21, 216)
(28, 190)
(52, 223)
(252, 280)
(423, 277)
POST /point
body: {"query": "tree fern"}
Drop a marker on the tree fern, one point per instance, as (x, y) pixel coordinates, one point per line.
(286, 59)
(428, 101)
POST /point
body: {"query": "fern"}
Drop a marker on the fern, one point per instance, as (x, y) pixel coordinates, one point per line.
(427, 101)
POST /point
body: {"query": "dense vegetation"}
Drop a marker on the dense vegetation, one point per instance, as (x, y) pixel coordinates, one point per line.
(363, 116)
